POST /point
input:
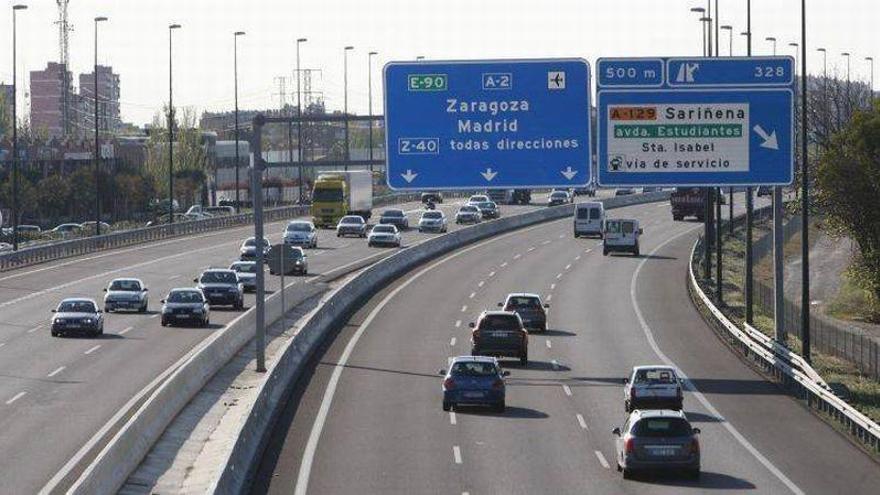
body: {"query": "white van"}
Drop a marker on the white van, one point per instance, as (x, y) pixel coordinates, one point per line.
(589, 219)
(621, 235)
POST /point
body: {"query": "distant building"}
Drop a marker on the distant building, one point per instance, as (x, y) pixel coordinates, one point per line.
(109, 121)
(49, 110)
(6, 97)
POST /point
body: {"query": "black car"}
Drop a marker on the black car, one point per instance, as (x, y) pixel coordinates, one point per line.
(221, 287)
(624, 191)
(432, 197)
(77, 316)
(500, 333)
(530, 309)
(394, 217)
(489, 209)
(186, 306)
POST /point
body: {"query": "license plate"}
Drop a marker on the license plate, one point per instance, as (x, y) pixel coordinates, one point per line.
(181, 316)
(474, 395)
(663, 451)
(500, 335)
(74, 325)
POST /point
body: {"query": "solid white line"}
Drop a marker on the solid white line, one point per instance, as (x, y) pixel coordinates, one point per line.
(482, 283)
(125, 330)
(503, 264)
(93, 349)
(582, 422)
(59, 370)
(549, 345)
(457, 323)
(452, 341)
(16, 397)
(452, 417)
(602, 460)
(567, 390)
(32, 330)
(472, 295)
(649, 335)
(662, 205)
(464, 308)
(456, 454)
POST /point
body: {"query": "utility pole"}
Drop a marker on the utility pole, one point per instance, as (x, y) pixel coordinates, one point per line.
(15, 9)
(171, 29)
(299, 113)
(237, 136)
(97, 142)
(347, 153)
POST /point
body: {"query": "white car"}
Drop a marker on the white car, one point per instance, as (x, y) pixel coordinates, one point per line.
(652, 387)
(126, 293)
(468, 214)
(433, 221)
(557, 198)
(384, 235)
(621, 235)
(301, 233)
(478, 198)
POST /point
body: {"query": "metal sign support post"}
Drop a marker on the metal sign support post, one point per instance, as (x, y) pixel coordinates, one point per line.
(778, 295)
(719, 280)
(257, 195)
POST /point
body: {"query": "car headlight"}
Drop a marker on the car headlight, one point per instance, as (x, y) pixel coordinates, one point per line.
(88, 320)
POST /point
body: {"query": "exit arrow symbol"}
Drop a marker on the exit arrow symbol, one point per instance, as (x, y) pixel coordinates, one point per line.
(489, 174)
(409, 176)
(770, 141)
(569, 173)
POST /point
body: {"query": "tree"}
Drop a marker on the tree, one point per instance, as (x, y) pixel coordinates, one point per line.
(848, 187)
(190, 156)
(53, 195)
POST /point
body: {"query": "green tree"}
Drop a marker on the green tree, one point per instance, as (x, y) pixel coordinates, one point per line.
(848, 183)
(52, 195)
(190, 156)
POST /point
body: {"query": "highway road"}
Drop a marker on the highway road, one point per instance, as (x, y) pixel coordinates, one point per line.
(368, 419)
(56, 393)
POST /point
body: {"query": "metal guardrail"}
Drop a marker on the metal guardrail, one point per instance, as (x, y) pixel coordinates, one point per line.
(791, 370)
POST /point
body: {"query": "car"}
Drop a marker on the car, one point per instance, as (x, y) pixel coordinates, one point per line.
(163, 219)
(28, 231)
(589, 190)
(351, 225)
(489, 209)
(432, 197)
(301, 233)
(221, 287)
(196, 212)
(624, 191)
(474, 381)
(216, 211)
(394, 217)
(433, 221)
(557, 198)
(531, 310)
(5, 246)
(248, 250)
(477, 198)
(77, 315)
(186, 305)
(764, 191)
(650, 189)
(247, 274)
(296, 262)
(384, 235)
(652, 387)
(621, 235)
(657, 440)
(89, 227)
(126, 293)
(66, 229)
(468, 214)
(589, 219)
(500, 334)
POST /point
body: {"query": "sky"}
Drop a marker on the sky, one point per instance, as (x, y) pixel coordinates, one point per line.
(135, 40)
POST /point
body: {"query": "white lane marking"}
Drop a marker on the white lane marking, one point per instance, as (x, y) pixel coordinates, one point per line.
(456, 454)
(549, 297)
(452, 341)
(482, 283)
(457, 323)
(602, 460)
(546, 242)
(503, 264)
(491, 274)
(649, 335)
(16, 397)
(517, 256)
(662, 205)
(32, 330)
(566, 389)
(308, 456)
(156, 315)
(552, 286)
(173, 277)
(452, 417)
(558, 276)
(588, 251)
(2, 344)
(577, 258)
(59, 370)
(464, 308)
(549, 345)
(561, 236)
(93, 349)
(472, 295)
(568, 266)
(582, 421)
(531, 249)
(125, 330)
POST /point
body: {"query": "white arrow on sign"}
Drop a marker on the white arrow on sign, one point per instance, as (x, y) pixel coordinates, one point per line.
(409, 176)
(489, 174)
(770, 141)
(569, 173)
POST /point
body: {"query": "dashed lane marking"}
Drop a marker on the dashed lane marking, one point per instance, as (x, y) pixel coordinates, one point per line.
(549, 345)
(93, 349)
(472, 295)
(125, 330)
(457, 323)
(482, 283)
(464, 308)
(602, 460)
(58, 370)
(566, 389)
(16, 397)
(582, 422)
(452, 419)
(456, 454)
(32, 330)
(452, 341)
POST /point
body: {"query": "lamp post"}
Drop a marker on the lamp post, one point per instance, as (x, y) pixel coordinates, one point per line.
(707, 238)
(171, 29)
(806, 340)
(15, 9)
(419, 58)
(870, 61)
(729, 30)
(299, 128)
(702, 11)
(235, 36)
(749, 258)
(345, 102)
(772, 40)
(97, 143)
(848, 105)
(825, 110)
(370, 100)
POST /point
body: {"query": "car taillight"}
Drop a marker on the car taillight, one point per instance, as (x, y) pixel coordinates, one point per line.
(448, 384)
(475, 335)
(498, 383)
(629, 445)
(632, 392)
(695, 446)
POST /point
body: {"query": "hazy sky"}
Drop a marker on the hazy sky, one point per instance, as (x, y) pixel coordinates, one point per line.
(135, 40)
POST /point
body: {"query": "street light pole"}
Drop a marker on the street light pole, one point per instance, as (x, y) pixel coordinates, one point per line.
(750, 205)
(370, 100)
(870, 61)
(345, 100)
(729, 30)
(772, 40)
(778, 295)
(848, 100)
(805, 199)
(237, 153)
(825, 109)
(97, 143)
(171, 29)
(702, 11)
(707, 238)
(15, 8)
(299, 126)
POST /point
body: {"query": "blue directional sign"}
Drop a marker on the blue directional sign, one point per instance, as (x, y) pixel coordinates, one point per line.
(696, 121)
(487, 124)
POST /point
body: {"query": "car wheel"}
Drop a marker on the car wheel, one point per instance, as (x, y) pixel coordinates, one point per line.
(500, 407)
(524, 359)
(144, 308)
(627, 474)
(338, 235)
(239, 305)
(447, 406)
(107, 309)
(54, 333)
(636, 251)
(627, 407)
(164, 323)
(694, 474)
(604, 252)
(206, 323)
(369, 244)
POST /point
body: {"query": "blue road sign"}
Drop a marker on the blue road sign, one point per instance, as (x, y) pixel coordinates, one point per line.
(487, 124)
(708, 122)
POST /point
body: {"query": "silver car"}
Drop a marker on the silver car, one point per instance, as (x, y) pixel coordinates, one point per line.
(247, 274)
(433, 221)
(657, 440)
(126, 293)
(468, 214)
(351, 225)
(301, 233)
(384, 235)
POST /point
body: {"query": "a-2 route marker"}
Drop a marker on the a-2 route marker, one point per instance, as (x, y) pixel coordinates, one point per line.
(696, 121)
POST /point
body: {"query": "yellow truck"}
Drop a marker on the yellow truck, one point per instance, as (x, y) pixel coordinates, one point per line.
(340, 193)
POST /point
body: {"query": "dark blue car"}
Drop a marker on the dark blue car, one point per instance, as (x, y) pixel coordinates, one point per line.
(474, 381)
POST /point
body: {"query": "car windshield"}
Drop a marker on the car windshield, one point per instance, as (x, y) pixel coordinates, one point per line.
(352, 220)
(595, 214)
(468, 209)
(474, 368)
(125, 285)
(434, 215)
(628, 227)
(188, 296)
(478, 199)
(392, 214)
(499, 322)
(219, 278)
(524, 303)
(583, 214)
(245, 267)
(487, 204)
(654, 377)
(299, 227)
(77, 307)
(558, 194)
(327, 195)
(662, 427)
(251, 242)
(383, 229)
